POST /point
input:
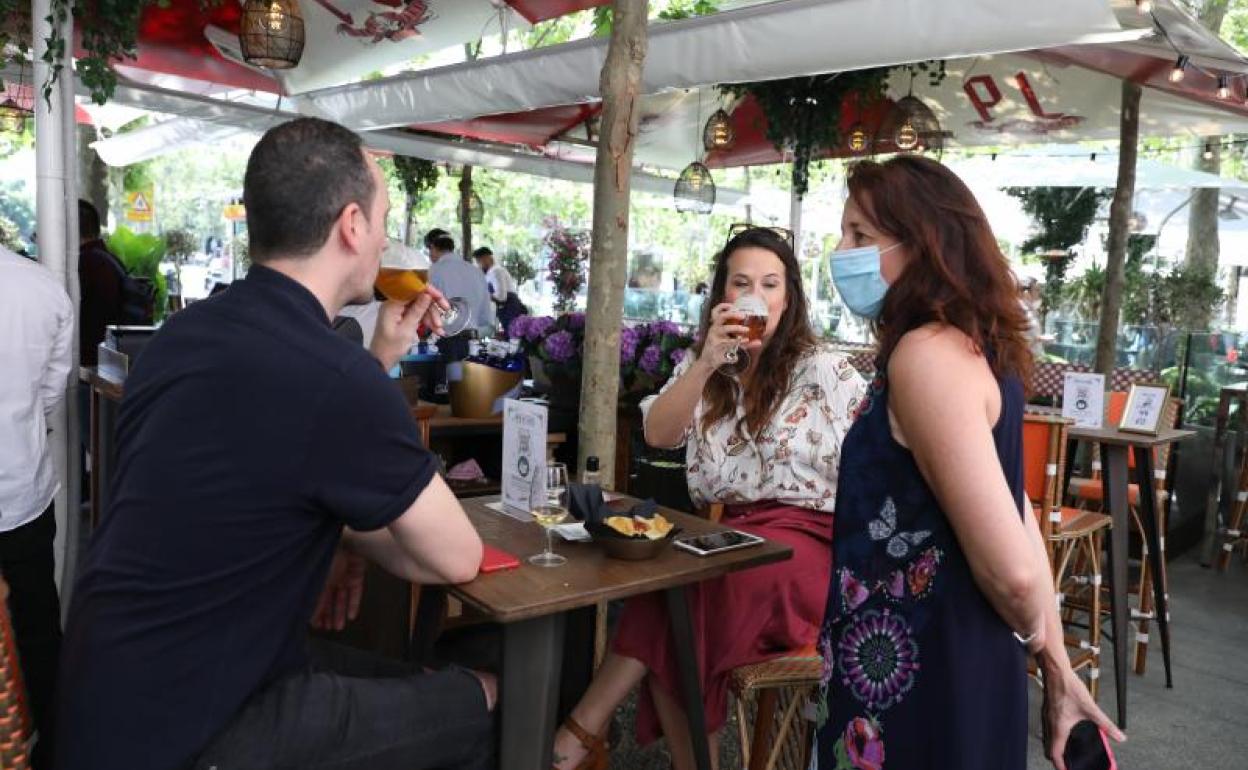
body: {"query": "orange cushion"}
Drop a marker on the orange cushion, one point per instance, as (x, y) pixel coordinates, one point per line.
(1094, 489)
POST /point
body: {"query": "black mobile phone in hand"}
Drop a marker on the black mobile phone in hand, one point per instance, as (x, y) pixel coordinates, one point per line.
(1087, 748)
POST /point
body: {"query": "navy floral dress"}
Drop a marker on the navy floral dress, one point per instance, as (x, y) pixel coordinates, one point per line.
(919, 670)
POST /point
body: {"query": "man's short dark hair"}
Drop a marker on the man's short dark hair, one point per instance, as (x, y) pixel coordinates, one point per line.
(484, 251)
(444, 242)
(433, 235)
(88, 221)
(300, 177)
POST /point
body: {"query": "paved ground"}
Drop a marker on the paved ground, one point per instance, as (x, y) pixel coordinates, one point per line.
(1201, 723)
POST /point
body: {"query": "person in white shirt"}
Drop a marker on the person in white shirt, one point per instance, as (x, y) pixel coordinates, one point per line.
(502, 287)
(36, 345)
(454, 277)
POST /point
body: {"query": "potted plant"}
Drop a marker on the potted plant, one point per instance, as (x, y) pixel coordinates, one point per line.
(649, 354)
(555, 347)
(568, 251)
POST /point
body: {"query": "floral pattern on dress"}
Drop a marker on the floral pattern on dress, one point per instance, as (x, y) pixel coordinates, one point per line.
(794, 459)
(879, 658)
(861, 746)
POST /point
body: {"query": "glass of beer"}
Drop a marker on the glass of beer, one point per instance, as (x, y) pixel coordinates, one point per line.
(550, 510)
(402, 279)
(753, 311)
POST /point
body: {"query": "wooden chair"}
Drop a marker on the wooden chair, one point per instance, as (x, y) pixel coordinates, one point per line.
(771, 697)
(1091, 492)
(16, 726)
(1073, 538)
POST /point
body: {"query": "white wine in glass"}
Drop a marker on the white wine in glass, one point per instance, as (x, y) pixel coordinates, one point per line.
(552, 509)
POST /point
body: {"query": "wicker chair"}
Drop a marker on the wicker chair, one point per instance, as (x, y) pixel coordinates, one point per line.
(771, 701)
(15, 721)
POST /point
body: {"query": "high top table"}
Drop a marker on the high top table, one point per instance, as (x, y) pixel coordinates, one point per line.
(1114, 446)
(531, 604)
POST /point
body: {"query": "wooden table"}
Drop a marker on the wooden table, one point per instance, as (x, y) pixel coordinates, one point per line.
(1223, 490)
(531, 602)
(1114, 445)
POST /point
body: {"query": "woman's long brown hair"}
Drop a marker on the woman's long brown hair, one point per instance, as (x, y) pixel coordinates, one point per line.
(792, 339)
(957, 274)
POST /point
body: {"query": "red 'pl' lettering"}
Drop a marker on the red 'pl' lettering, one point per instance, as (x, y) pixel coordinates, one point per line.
(983, 92)
(1032, 101)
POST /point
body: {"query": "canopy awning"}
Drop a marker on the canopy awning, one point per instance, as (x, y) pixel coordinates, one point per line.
(1072, 166)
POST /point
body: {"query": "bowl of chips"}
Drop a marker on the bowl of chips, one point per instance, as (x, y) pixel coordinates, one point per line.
(633, 538)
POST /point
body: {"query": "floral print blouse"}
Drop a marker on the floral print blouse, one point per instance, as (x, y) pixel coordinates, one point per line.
(794, 459)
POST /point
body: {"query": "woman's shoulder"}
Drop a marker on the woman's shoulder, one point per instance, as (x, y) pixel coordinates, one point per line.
(937, 351)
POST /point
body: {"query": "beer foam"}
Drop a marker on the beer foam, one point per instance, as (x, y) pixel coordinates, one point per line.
(751, 304)
(402, 257)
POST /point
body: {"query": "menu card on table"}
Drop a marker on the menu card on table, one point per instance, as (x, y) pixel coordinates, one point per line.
(524, 453)
(1083, 399)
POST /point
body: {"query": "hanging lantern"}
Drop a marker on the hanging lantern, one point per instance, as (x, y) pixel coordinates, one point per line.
(12, 117)
(859, 141)
(695, 190)
(718, 133)
(476, 209)
(911, 126)
(271, 33)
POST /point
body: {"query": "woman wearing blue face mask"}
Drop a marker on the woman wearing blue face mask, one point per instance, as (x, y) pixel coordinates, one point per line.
(941, 585)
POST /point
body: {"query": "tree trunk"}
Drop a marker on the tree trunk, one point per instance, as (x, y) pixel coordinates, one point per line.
(1119, 214)
(92, 172)
(465, 216)
(620, 85)
(409, 224)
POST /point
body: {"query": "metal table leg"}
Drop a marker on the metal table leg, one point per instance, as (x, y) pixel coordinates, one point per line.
(1149, 520)
(690, 682)
(1115, 458)
(529, 696)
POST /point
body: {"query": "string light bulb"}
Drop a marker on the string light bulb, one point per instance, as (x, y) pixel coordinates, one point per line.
(1180, 68)
(1224, 87)
(1144, 6)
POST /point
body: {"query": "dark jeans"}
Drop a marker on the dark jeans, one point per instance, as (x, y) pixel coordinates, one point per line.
(353, 710)
(28, 566)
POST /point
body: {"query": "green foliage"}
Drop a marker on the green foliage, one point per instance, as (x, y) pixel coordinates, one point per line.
(16, 204)
(1186, 296)
(138, 176)
(804, 113)
(1062, 215)
(673, 10)
(179, 244)
(10, 236)
(416, 175)
(520, 267)
(141, 253)
(1084, 293)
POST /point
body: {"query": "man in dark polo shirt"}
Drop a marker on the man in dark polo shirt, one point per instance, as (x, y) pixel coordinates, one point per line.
(260, 455)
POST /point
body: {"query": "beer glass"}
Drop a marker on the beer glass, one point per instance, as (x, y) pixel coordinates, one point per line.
(754, 312)
(402, 278)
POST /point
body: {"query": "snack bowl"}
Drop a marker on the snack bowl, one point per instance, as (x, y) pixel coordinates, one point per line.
(636, 548)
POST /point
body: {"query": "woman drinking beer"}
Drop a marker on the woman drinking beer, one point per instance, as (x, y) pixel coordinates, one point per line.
(762, 417)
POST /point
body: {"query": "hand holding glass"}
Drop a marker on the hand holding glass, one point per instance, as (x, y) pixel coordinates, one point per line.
(404, 284)
(552, 509)
(753, 311)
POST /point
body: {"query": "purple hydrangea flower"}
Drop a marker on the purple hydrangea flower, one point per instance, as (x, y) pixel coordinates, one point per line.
(560, 346)
(677, 355)
(538, 327)
(667, 327)
(519, 326)
(651, 359)
(576, 321)
(628, 345)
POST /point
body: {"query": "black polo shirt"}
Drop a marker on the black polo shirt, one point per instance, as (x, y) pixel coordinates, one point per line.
(250, 433)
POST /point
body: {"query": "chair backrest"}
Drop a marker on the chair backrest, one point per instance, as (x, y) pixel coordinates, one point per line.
(1044, 457)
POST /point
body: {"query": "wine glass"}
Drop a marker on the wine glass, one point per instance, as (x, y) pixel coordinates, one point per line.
(457, 318)
(551, 510)
(754, 312)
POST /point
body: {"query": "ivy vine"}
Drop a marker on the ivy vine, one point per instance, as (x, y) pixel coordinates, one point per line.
(804, 113)
(417, 176)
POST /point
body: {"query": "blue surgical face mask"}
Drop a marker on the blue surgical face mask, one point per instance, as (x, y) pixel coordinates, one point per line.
(856, 273)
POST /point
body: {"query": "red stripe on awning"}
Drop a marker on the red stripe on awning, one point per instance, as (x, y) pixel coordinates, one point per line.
(532, 127)
(542, 10)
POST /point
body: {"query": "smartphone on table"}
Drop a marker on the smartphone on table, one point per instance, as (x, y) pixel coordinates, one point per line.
(717, 542)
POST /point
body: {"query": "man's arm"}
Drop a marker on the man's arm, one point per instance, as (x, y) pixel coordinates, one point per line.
(431, 542)
(60, 359)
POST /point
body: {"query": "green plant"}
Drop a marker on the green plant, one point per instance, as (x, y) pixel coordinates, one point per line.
(141, 253)
(138, 176)
(1186, 295)
(1062, 216)
(521, 268)
(179, 244)
(804, 113)
(1084, 293)
(417, 176)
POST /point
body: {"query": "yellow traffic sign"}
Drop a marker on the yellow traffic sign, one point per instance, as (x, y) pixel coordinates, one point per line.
(140, 205)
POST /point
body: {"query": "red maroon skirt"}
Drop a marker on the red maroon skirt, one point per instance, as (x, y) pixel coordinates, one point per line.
(741, 618)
